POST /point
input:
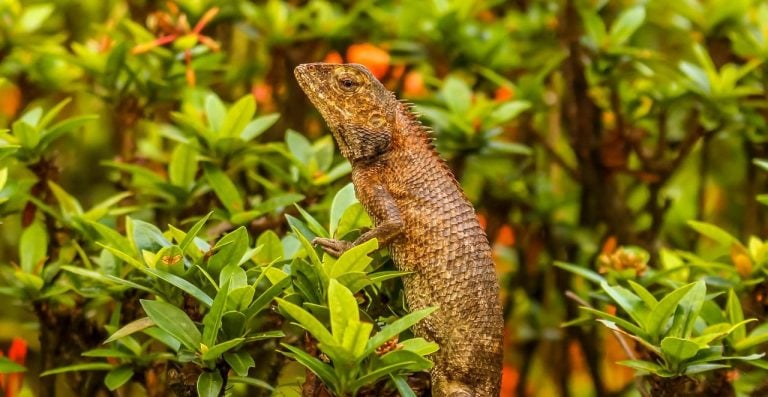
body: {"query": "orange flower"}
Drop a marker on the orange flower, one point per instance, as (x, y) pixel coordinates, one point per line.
(503, 94)
(333, 57)
(10, 99)
(374, 58)
(10, 384)
(413, 86)
(506, 236)
(510, 376)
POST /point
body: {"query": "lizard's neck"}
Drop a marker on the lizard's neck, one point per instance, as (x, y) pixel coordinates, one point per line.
(409, 132)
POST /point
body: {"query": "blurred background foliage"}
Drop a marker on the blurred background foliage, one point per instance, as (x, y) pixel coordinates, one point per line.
(613, 150)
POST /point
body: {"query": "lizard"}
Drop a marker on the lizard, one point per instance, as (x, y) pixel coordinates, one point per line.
(422, 215)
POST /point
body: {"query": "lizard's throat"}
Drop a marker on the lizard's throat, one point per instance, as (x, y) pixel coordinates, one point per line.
(342, 143)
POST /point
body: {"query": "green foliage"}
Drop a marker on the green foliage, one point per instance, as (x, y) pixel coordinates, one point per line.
(162, 179)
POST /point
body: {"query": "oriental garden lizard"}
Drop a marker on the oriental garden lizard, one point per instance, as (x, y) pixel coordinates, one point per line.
(422, 215)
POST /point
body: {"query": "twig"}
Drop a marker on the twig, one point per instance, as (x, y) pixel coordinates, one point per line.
(570, 170)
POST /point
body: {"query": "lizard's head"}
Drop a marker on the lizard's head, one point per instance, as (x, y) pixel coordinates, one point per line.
(359, 110)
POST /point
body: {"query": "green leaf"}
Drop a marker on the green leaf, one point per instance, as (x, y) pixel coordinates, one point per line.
(312, 223)
(174, 321)
(385, 275)
(626, 24)
(594, 26)
(355, 339)
(215, 112)
(372, 376)
(699, 368)
(762, 163)
(353, 218)
(735, 315)
(212, 320)
(343, 307)
(581, 271)
(225, 190)
(502, 147)
(343, 199)
(183, 166)
(79, 367)
(396, 327)
(402, 386)
(209, 384)
(233, 324)
(258, 126)
(718, 331)
(277, 202)
(308, 322)
(299, 146)
(631, 303)
(625, 324)
(115, 62)
(33, 17)
(216, 351)
(715, 233)
(264, 335)
(507, 111)
(131, 328)
(659, 316)
(238, 117)
(263, 301)
(678, 349)
(146, 236)
(688, 310)
(758, 336)
(355, 259)
(63, 127)
(192, 233)
(163, 337)
(457, 95)
(613, 326)
(8, 367)
(240, 298)
(645, 366)
(229, 250)
(69, 205)
(398, 356)
(240, 362)
(322, 370)
(250, 381)
(355, 281)
(271, 248)
(181, 284)
(420, 346)
(29, 137)
(298, 229)
(33, 246)
(108, 352)
(118, 377)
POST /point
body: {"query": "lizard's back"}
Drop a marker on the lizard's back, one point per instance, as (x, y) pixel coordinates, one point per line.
(445, 247)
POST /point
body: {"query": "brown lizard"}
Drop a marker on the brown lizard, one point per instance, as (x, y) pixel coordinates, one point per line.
(422, 215)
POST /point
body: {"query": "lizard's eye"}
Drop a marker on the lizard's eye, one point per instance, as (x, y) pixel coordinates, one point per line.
(347, 83)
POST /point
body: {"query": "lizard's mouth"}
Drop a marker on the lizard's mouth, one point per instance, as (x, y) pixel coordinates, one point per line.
(307, 75)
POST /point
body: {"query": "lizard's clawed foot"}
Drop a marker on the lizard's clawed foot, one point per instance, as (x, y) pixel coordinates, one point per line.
(331, 246)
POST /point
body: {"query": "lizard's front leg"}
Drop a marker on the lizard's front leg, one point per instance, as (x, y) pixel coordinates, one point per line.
(380, 205)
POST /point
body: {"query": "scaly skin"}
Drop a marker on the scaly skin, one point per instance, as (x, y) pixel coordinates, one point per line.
(421, 213)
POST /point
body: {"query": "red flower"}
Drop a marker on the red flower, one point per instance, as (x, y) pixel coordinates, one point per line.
(10, 384)
(174, 28)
